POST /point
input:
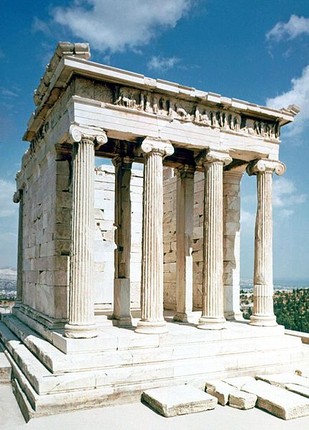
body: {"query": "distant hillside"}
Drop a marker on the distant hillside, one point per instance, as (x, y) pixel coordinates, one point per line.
(8, 277)
(8, 273)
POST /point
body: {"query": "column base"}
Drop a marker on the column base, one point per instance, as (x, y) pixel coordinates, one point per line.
(234, 316)
(122, 313)
(80, 331)
(263, 321)
(209, 323)
(151, 327)
(184, 317)
(122, 321)
(17, 304)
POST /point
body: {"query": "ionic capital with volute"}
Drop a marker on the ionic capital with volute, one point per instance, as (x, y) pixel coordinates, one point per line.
(266, 166)
(78, 133)
(213, 156)
(17, 197)
(157, 146)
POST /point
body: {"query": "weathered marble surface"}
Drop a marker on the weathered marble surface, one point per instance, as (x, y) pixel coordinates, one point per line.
(178, 400)
(228, 394)
(292, 382)
(278, 401)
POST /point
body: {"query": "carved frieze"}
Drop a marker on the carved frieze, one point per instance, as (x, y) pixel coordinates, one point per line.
(161, 105)
(182, 110)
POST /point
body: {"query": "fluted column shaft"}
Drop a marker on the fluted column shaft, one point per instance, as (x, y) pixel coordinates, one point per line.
(213, 311)
(152, 320)
(81, 304)
(18, 198)
(184, 234)
(263, 311)
(122, 313)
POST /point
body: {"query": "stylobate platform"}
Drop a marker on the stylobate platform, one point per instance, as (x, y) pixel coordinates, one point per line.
(119, 364)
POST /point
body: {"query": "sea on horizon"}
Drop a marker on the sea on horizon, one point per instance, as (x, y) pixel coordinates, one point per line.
(278, 284)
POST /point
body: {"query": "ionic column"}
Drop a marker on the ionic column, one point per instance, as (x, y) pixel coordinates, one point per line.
(184, 233)
(231, 242)
(81, 306)
(18, 198)
(263, 311)
(152, 320)
(213, 311)
(122, 302)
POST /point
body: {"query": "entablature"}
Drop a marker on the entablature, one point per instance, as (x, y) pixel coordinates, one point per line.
(126, 91)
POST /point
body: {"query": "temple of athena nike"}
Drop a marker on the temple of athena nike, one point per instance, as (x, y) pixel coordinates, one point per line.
(129, 239)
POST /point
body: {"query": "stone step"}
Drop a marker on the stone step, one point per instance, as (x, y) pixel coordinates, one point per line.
(33, 405)
(5, 367)
(45, 378)
(189, 370)
(125, 367)
(186, 363)
(278, 401)
(126, 351)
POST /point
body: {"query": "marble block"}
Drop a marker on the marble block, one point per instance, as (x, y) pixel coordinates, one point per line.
(278, 401)
(220, 390)
(228, 394)
(290, 381)
(178, 400)
(241, 400)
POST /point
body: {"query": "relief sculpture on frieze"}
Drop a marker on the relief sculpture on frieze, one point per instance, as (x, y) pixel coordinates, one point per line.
(182, 110)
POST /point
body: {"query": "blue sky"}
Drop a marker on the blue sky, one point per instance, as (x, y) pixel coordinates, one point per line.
(255, 50)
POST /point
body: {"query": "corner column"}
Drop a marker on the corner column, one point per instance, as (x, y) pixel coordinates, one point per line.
(213, 311)
(18, 198)
(263, 310)
(81, 306)
(122, 303)
(231, 242)
(184, 234)
(152, 320)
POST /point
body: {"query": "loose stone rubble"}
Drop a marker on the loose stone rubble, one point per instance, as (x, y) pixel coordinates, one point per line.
(241, 393)
(227, 394)
(178, 400)
(242, 400)
(292, 382)
(278, 401)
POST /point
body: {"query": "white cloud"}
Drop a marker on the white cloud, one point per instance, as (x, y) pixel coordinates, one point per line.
(40, 26)
(285, 196)
(299, 95)
(296, 26)
(5, 92)
(117, 25)
(286, 213)
(7, 207)
(162, 64)
(247, 221)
